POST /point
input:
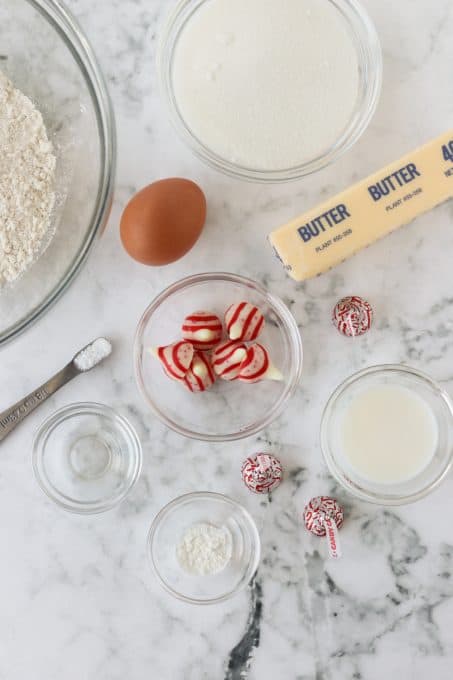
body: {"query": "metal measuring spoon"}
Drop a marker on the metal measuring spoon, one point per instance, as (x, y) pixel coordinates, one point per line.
(88, 357)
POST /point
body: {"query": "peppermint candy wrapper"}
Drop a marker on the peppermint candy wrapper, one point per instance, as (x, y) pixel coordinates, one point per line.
(323, 517)
(333, 538)
(352, 316)
(262, 473)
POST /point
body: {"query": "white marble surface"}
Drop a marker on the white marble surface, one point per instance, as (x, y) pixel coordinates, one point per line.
(77, 598)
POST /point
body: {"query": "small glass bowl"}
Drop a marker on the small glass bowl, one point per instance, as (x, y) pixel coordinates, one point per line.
(168, 529)
(366, 40)
(229, 410)
(86, 458)
(416, 487)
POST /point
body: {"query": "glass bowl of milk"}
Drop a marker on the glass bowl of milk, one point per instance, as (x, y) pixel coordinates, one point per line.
(270, 91)
(387, 434)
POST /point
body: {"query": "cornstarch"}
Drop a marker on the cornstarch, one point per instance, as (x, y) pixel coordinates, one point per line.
(204, 550)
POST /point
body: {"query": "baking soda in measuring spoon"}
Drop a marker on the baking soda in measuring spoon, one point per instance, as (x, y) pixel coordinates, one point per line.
(267, 84)
(388, 434)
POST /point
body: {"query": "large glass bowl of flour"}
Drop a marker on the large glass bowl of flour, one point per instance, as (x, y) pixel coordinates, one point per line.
(46, 56)
(270, 91)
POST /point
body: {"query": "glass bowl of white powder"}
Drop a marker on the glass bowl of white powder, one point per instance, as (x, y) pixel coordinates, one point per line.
(270, 91)
(204, 548)
(57, 157)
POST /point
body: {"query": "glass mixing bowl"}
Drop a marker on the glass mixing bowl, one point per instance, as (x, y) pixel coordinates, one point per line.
(441, 408)
(46, 55)
(369, 56)
(168, 529)
(229, 410)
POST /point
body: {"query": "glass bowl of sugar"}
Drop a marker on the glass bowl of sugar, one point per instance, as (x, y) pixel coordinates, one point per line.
(204, 548)
(270, 91)
(387, 434)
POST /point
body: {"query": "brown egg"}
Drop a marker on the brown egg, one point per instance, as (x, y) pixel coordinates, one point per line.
(163, 221)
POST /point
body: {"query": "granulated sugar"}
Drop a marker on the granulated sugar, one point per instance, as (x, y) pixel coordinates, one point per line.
(27, 174)
(267, 84)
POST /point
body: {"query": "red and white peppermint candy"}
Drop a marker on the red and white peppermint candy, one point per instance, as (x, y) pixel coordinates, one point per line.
(317, 509)
(352, 316)
(175, 359)
(200, 376)
(244, 321)
(227, 359)
(257, 366)
(203, 329)
(323, 516)
(262, 473)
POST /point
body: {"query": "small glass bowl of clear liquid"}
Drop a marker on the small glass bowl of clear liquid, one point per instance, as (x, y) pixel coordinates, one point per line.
(87, 458)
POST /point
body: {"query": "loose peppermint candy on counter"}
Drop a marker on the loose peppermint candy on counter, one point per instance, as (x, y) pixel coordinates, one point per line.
(323, 516)
(262, 473)
(352, 316)
(316, 511)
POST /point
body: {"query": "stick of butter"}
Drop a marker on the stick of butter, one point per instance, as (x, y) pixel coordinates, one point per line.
(376, 206)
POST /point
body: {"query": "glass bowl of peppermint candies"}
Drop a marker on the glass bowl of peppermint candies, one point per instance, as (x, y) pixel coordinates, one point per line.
(217, 357)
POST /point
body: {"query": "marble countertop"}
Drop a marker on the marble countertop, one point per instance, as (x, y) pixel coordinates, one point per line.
(78, 600)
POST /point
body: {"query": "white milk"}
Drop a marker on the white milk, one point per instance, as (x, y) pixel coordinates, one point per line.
(267, 84)
(389, 434)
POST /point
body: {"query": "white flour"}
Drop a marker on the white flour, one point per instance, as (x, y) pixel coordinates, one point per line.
(27, 173)
(204, 550)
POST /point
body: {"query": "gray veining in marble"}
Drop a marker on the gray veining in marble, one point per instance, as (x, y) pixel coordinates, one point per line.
(78, 600)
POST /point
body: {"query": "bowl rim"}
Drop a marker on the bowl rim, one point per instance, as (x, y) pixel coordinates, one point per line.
(203, 495)
(295, 341)
(65, 24)
(77, 409)
(335, 469)
(371, 65)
